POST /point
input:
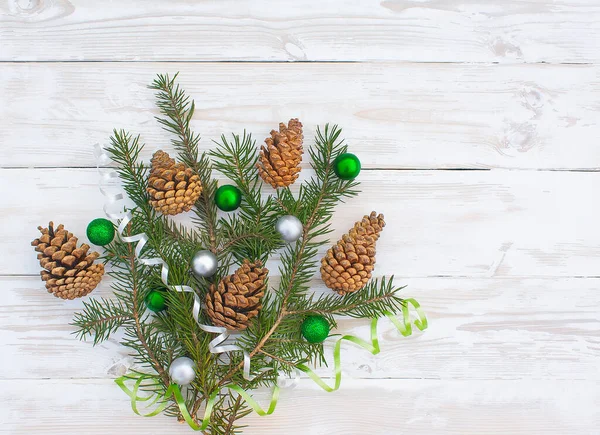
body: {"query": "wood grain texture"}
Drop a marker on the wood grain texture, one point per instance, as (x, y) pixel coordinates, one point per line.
(393, 115)
(440, 223)
(272, 30)
(504, 259)
(380, 407)
(480, 329)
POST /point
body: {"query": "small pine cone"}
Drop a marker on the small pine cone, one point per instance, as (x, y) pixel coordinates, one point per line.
(347, 266)
(173, 187)
(237, 298)
(279, 161)
(69, 271)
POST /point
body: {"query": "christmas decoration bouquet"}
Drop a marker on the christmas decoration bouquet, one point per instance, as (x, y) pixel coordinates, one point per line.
(205, 319)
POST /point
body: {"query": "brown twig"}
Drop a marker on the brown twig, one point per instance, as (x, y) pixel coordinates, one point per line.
(239, 238)
(233, 415)
(92, 324)
(305, 230)
(186, 141)
(347, 307)
(136, 316)
(276, 358)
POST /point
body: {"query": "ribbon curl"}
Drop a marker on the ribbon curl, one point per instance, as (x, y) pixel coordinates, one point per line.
(162, 401)
(404, 327)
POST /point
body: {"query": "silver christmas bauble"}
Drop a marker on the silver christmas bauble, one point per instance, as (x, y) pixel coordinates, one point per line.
(289, 227)
(182, 370)
(204, 263)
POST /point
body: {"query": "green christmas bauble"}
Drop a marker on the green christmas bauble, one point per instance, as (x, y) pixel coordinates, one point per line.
(346, 166)
(315, 329)
(100, 231)
(156, 301)
(228, 197)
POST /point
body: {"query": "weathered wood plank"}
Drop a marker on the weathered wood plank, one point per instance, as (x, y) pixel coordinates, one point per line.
(271, 30)
(479, 329)
(393, 115)
(380, 407)
(440, 223)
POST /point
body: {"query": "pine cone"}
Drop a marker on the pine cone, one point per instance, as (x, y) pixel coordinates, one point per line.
(279, 161)
(237, 298)
(348, 265)
(173, 187)
(69, 271)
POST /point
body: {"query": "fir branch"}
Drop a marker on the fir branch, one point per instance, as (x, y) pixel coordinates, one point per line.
(130, 287)
(374, 300)
(237, 161)
(274, 340)
(236, 410)
(243, 237)
(229, 429)
(250, 233)
(277, 358)
(100, 318)
(137, 313)
(124, 150)
(318, 197)
(178, 110)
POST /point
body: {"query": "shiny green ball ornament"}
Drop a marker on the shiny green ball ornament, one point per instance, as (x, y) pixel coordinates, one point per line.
(156, 301)
(100, 231)
(228, 197)
(346, 166)
(315, 329)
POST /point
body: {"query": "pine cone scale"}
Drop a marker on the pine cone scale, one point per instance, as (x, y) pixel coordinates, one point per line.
(347, 266)
(68, 271)
(280, 157)
(237, 298)
(173, 187)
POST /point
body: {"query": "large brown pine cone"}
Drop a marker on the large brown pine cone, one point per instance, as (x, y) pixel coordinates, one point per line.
(237, 298)
(173, 187)
(347, 266)
(69, 271)
(279, 161)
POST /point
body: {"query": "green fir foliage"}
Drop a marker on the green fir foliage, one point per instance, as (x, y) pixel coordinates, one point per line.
(273, 340)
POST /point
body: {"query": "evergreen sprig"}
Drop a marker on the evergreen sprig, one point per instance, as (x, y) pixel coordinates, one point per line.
(372, 301)
(125, 150)
(273, 340)
(101, 318)
(250, 233)
(178, 111)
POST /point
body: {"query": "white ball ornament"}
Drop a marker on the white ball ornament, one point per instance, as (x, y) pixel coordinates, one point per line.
(182, 370)
(289, 227)
(204, 263)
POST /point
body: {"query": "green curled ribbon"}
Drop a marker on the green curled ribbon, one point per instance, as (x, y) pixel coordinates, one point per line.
(174, 390)
(404, 326)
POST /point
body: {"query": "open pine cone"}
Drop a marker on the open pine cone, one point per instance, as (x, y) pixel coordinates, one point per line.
(173, 187)
(279, 161)
(69, 271)
(347, 266)
(237, 298)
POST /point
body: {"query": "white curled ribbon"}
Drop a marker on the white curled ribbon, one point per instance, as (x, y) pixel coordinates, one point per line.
(219, 344)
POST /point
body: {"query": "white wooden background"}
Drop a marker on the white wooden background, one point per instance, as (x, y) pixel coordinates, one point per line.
(478, 124)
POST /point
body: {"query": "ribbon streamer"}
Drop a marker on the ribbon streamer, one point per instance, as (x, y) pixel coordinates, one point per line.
(218, 344)
(174, 390)
(162, 401)
(404, 327)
